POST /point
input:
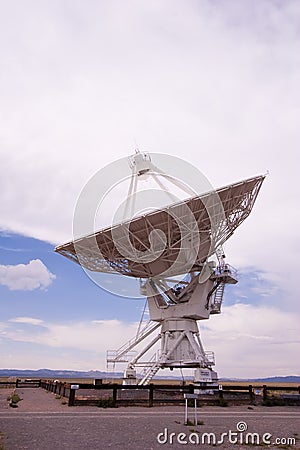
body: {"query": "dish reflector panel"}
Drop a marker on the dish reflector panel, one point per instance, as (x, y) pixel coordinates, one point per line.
(173, 241)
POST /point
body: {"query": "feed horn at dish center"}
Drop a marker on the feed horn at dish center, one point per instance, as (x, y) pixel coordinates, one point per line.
(171, 252)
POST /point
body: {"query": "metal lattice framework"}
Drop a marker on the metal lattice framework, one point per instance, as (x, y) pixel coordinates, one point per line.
(216, 214)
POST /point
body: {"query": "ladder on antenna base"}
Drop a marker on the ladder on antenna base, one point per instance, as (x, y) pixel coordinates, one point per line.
(125, 353)
(224, 274)
(150, 373)
(215, 307)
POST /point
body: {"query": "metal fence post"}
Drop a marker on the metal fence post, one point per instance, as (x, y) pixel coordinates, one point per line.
(251, 394)
(151, 390)
(72, 397)
(265, 392)
(115, 394)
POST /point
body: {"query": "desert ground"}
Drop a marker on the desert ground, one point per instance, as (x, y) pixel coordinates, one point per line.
(43, 422)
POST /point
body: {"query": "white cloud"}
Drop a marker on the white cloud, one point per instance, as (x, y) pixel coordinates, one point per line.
(97, 335)
(26, 277)
(254, 341)
(248, 341)
(217, 86)
(28, 320)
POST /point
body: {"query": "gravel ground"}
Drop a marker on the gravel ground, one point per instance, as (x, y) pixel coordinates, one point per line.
(41, 422)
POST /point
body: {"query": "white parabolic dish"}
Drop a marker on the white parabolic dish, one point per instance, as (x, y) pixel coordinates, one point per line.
(212, 218)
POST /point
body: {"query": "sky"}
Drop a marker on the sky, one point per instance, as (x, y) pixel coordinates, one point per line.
(213, 83)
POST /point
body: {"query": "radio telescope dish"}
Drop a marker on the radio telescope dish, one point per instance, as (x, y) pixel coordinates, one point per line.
(100, 251)
(157, 248)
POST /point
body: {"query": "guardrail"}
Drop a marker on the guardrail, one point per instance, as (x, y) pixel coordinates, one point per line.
(7, 384)
(19, 383)
(28, 383)
(162, 393)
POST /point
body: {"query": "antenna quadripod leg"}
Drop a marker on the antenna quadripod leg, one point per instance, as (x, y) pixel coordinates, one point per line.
(178, 309)
(175, 310)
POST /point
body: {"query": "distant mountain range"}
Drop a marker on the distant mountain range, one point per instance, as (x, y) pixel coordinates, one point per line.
(47, 373)
(287, 379)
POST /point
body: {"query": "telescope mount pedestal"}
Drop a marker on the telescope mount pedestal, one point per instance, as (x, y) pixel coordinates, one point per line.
(176, 311)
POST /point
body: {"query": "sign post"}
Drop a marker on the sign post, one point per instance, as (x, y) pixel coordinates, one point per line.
(187, 397)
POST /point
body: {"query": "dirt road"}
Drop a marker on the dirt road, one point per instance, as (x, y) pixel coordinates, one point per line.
(42, 422)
